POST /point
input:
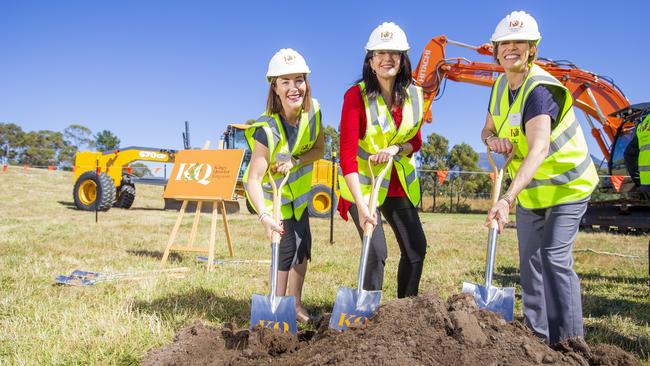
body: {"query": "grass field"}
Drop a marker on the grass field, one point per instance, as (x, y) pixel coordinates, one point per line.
(43, 235)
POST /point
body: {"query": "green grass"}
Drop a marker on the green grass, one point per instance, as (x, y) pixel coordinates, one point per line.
(42, 235)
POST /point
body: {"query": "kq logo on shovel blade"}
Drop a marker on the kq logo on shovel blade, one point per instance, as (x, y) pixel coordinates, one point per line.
(282, 327)
(346, 320)
(195, 172)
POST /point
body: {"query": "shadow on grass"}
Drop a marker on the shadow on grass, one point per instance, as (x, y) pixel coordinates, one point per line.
(173, 256)
(197, 303)
(133, 208)
(598, 333)
(71, 206)
(613, 279)
(506, 276)
(637, 312)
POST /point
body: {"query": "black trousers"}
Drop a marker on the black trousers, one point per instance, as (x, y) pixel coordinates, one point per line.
(403, 218)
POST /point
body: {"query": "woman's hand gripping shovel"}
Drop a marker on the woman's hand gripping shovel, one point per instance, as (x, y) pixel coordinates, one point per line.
(274, 312)
(496, 299)
(356, 306)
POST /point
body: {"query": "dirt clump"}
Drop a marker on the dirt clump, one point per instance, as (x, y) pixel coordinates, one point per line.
(421, 330)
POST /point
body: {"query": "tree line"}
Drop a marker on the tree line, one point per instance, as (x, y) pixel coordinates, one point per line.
(47, 147)
(58, 148)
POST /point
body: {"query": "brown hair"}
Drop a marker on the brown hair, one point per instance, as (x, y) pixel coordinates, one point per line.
(273, 103)
(531, 58)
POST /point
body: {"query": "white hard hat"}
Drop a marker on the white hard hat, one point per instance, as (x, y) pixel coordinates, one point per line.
(387, 36)
(516, 26)
(287, 61)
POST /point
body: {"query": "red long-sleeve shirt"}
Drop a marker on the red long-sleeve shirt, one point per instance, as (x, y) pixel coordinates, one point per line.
(353, 129)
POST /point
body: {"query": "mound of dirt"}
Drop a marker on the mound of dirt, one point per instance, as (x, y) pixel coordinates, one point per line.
(422, 330)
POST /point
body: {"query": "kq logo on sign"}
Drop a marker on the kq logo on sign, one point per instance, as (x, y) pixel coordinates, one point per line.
(195, 172)
(152, 154)
(282, 327)
(349, 319)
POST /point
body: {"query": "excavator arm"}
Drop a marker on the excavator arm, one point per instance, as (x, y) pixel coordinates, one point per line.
(596, 96)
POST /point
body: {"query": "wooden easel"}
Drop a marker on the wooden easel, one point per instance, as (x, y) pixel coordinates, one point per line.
(216, 202)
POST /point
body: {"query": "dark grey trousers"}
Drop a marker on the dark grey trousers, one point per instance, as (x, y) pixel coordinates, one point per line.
(550, 287)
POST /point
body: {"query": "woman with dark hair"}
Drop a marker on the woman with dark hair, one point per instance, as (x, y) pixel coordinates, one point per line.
(286, 139)
(381, 119)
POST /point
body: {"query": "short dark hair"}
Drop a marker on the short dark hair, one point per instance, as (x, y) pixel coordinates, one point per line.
(274, 104)
(531, 58)
(402, 81)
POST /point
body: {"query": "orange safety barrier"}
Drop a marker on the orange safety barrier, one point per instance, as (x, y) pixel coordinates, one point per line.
(442, 175)
(617, 181)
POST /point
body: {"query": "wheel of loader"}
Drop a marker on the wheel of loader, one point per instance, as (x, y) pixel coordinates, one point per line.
(321, 202)
(90, 190)
(126, 196)
(250, 208)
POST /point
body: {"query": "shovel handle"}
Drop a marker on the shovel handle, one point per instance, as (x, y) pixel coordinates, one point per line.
(277, 201)
(498, 179)
(275, 236)
(367, 230)
(494, 225)
(375, 183)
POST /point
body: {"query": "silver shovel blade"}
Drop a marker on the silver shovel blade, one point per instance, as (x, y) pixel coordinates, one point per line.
(353, 307)
(73, 281)
(279, 315)
(495, 299)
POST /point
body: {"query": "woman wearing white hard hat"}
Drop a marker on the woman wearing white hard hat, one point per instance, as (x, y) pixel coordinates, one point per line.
(381, 119)
(288, 137)
(530, 115)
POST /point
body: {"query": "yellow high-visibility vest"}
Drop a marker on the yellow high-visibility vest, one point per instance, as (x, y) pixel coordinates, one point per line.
(297, 190)
(643, 135)
(568, 173)
(381, 132)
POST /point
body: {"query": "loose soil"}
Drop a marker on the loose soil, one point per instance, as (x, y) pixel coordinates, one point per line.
(422, 330)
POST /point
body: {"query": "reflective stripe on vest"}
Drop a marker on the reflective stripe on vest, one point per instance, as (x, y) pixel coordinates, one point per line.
(568, 173)
(297, 190)
(643, 135)
(381, 133)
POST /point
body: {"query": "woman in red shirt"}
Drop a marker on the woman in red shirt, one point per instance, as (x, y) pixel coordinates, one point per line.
(381, 119)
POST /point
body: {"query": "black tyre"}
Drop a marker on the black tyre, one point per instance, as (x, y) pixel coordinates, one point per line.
(251, 209)
(126, 196)
(321, 201)
(91, 190)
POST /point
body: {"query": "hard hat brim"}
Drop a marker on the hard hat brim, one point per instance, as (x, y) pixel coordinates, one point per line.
(387, 47)
(516, 37)
(270, 76)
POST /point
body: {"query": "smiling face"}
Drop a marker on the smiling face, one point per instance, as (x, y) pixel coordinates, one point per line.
(386, 64)
(515, 55)
(290, 90)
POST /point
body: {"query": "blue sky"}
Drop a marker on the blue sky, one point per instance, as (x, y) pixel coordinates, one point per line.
(142, 68)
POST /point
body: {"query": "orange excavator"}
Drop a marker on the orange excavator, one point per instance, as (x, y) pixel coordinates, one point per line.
(611, 118)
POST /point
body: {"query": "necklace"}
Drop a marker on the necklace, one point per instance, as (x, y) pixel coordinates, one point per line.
(513, 94)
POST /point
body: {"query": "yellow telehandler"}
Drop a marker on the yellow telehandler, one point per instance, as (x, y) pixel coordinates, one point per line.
(104, 180)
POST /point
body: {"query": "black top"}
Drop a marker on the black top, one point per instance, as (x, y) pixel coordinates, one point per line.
(290, 132)
(543, 99)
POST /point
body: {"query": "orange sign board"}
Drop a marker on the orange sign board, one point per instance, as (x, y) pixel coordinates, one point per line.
(204, 175)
